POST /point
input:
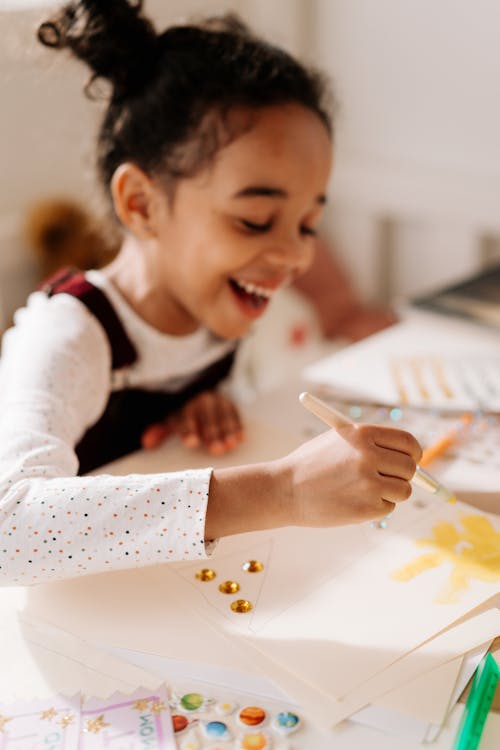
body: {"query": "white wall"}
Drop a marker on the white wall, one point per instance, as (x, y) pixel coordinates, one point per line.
(418, 141)
(419, 131)
(47, 126)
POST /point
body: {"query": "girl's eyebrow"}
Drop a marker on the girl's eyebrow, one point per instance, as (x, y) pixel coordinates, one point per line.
(269, 192)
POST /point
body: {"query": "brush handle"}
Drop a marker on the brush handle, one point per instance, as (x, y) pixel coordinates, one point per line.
(327, 414)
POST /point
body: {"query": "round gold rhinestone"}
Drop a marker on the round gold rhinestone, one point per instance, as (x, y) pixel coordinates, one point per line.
(205, 574)
(229, 587)
(241, 605)
(253, 566)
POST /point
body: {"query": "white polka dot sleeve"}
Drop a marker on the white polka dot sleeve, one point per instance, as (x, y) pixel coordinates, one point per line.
(55, 383)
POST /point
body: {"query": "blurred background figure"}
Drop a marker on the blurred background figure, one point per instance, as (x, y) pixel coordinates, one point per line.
(60, 232)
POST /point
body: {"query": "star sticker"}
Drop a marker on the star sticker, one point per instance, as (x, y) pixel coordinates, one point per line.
(49, 713)
(142, 704)
(157, 707)
(95, 725)
(65, 721)
(3, 721)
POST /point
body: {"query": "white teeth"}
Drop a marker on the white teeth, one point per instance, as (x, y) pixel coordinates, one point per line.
(254, 289)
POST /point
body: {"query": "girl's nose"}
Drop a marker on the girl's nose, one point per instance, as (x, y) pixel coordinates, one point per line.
(292, 254)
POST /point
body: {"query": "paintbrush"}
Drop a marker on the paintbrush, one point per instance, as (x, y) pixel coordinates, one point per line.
(335, 419)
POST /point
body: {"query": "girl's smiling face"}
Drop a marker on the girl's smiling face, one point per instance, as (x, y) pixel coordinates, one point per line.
(244, 226)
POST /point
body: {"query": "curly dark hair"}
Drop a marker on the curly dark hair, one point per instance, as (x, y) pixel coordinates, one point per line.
(171, 92)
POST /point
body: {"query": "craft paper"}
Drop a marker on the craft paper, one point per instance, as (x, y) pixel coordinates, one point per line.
(464, 637)
(426, 697)
(38, 660)
(452, 369)
(433, 565)
(470, 663)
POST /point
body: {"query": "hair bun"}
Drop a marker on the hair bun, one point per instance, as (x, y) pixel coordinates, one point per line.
(110, 36)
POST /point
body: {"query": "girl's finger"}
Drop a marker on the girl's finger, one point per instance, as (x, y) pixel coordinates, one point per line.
(395, 490)
(397, 440)
(154, 435)
(209, 424)
(395, 464)
(186, 427)
(231, 429)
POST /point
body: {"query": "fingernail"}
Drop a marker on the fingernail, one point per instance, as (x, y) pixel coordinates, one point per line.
(217, 447)
(191, 441)
(153, 436)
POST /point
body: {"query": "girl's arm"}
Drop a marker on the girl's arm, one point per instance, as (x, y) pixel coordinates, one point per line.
(344, 476)
(54, 383)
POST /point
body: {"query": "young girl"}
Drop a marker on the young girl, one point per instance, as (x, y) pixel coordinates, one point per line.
(215, 149)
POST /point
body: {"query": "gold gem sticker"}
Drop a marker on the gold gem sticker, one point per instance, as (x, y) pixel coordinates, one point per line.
(241, 605)
(229, 587)
(205, 574)
(253, 566)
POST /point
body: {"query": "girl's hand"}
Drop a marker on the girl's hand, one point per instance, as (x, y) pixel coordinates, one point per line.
(209, 419)
(356, 473)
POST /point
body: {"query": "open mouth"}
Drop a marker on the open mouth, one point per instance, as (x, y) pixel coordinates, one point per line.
(252, 299)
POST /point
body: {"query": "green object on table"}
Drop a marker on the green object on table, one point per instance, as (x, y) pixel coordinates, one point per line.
(478, 705)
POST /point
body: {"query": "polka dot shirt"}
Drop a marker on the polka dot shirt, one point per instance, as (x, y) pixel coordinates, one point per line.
(55, 381)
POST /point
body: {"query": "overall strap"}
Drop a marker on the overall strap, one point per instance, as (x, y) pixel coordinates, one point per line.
(130, 410)
(72, 281)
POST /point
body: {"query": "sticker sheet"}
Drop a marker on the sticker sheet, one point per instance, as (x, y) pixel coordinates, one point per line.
(122, 722)
(52, 724)
(131, 722)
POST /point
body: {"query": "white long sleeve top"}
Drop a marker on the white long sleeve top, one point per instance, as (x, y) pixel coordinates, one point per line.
(55, 381)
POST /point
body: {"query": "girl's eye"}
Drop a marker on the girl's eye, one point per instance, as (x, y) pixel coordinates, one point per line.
(254, 227)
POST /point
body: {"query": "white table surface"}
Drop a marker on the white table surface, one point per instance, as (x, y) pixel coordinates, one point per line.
(88, 607)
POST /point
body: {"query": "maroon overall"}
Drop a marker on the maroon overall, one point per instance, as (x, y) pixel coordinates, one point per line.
(130, 410)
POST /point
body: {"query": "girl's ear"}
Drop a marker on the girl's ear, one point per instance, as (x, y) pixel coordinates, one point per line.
(134, 196)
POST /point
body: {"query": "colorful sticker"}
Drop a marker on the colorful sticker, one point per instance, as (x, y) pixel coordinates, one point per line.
(252, 716)
(225, 708)
(179, 723)
(205, 574)
(253, 566)
(242, 606)
(254, 741)
(286, 722)
(216, 730)
(229, 587)
(190, 743)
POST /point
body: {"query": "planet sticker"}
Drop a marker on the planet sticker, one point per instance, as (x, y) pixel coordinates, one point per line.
(286, 722)
(224, 708)
(216, 730)
(254, 741)
(190, 743)
(252, 716)
(180, 723)
(191, 702)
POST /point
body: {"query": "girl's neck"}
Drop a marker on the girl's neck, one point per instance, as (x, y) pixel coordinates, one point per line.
(137, 281)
